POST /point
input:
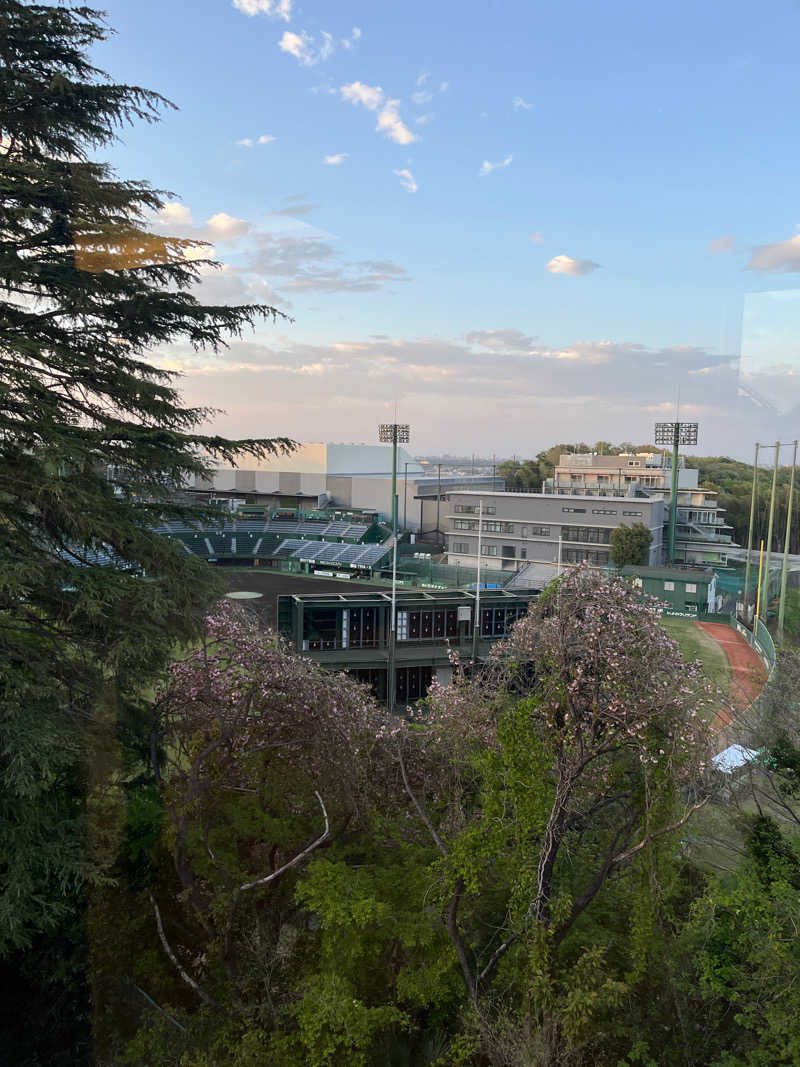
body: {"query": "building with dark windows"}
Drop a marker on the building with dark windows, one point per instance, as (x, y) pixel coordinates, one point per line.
(702, 536)
(520, 529)
(350, 632)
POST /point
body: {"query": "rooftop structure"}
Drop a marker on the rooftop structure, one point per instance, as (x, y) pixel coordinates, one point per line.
(702, 535)
(350, 631)
(518, 529)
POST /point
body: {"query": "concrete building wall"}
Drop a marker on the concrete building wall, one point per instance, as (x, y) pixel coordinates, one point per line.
(520, 528)
(367, 459)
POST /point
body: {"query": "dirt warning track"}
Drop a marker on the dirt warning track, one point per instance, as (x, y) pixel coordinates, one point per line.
(748, 674)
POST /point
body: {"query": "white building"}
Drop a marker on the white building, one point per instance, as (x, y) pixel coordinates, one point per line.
(518, 529)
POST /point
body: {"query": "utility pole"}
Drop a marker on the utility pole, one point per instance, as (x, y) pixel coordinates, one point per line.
(438, 499)
(758, 594)
(674, 433)
(750, 537)
(769, 526)
(785, 566)
(405, 494)
(476, 624)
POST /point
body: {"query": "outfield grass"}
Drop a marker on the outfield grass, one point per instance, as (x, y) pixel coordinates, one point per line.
(694, 644)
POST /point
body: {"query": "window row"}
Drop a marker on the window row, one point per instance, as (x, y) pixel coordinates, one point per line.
(591, 535)
(584, 555)
(473, 509)
(508, 527)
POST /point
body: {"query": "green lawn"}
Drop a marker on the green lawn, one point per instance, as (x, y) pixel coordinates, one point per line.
(694, 644)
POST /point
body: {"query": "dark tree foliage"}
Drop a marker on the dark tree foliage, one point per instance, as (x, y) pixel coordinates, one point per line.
(93, 438)
(630, 545)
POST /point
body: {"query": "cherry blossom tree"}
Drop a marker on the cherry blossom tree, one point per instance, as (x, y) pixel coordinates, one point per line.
(585, 738)
(263, 757)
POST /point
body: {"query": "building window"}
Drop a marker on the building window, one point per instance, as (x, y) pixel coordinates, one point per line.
(465, 524)
(464, 509)
(584, 555)
(491, 510)
(669, 587)
(508, 552)
(603, 511)
(489, 550)
(493, 527)
(540, 531)
(590, 535)
(461, 546)
(581, 511)
(637, 514)
(523, 553)
(691, 587)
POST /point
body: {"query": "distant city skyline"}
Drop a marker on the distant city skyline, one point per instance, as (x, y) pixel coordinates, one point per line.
(537, 223)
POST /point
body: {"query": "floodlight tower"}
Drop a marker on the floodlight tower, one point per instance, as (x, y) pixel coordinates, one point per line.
(394, 433)
(675, 434)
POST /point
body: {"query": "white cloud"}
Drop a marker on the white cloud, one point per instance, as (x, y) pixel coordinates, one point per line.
(279, 9)
(173, 212)
(422, 78)
(297, 45)
(348, 42)
(248, 142)
(782, 257)
(444, 86)
(407, 180)
(487, 167)
(573, 267)
(421, 96)
(721, 245)
(304, 47)
(423, 120)
(536, 237)
(334, 161)
(370, 96)
(176, 220)
(225, 226)
(519, 103)
(389, 122)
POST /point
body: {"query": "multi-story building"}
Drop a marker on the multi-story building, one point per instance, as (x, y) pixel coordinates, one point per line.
(701, 533)
(518, 529)
(350, 632)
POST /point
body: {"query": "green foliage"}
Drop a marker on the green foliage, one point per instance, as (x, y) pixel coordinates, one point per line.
(630, 545)
(93, 439)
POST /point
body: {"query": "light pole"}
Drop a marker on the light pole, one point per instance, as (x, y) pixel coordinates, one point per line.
(753, 493)
(674, 433)
(781, 602)
(405, 493)
(477, 621)
(393, 432)
(765, 601)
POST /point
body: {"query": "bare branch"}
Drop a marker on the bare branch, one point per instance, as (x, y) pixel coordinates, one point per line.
(623, 857)
(180, 969)
(422, 813)
(298, 858)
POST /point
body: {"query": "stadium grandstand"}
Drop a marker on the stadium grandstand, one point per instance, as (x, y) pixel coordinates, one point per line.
(293, 541)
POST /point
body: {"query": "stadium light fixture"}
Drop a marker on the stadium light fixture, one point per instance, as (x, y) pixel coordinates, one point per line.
(674, 434)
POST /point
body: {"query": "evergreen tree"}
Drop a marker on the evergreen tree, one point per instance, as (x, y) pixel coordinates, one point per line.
(630, 545)
(93, 439)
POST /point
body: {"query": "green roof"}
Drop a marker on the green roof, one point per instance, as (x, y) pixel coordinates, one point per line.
(670, 574)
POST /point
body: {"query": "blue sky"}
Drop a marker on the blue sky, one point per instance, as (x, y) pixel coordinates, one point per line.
(534, 221)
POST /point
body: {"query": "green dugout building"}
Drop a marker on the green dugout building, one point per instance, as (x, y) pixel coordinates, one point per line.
(687, 592)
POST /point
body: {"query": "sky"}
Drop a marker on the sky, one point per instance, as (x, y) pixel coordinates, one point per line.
(514, 223)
